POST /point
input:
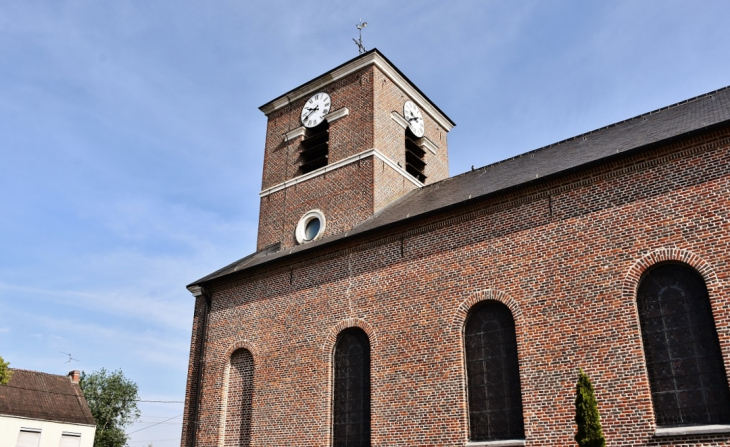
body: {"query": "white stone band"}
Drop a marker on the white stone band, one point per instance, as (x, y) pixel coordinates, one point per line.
(692, 430)
(338, 164)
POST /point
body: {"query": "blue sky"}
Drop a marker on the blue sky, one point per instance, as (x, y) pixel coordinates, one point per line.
(132, 143)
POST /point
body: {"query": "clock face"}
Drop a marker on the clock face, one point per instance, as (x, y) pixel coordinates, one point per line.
(316, 109)
(412, 114)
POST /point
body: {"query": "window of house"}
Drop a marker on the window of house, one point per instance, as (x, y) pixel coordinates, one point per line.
(315, 148)
(240, 399)
(683, 358)
(28, 437)
(415, 157)
(493, 378)
(351, 406)
(70, 439)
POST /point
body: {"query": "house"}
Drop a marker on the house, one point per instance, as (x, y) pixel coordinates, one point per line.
(44, 410)
(389, 304)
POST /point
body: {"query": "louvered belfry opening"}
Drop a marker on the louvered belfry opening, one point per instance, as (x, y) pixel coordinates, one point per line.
(683, 358)
(493, 376)
(240, 400)
(315, 148)
(415, 157)
(351, 406)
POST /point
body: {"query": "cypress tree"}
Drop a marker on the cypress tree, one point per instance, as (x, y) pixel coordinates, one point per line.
(590, 433)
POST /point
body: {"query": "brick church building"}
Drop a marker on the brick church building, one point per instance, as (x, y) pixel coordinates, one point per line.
(389, 304)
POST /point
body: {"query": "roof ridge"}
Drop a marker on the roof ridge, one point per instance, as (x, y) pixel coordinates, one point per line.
(584, 134)
(43, 390)
(39, 372)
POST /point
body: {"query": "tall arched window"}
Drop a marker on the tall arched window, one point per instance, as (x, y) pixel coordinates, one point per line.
(686, 372)
(240, 394)
(351, 407)
(493, 376)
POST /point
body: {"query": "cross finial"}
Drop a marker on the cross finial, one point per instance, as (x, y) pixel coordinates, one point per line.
(360, 46)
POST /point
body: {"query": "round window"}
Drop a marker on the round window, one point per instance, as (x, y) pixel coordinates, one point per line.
(310, 227)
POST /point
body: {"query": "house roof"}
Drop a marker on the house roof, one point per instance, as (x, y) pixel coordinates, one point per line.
(677, 120)
(37, 395)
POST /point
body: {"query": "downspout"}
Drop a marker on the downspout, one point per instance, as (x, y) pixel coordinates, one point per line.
(198, 291)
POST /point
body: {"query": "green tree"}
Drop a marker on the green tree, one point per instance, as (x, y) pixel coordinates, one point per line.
(5, 373)
(590, 433)
(112, 399)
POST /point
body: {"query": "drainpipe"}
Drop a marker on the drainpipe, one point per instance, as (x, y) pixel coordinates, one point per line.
(198, 291)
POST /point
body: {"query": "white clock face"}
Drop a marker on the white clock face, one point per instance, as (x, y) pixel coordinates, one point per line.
(316, 109)
(413, 115)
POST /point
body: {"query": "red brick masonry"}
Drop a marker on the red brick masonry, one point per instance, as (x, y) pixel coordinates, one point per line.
(564, 255)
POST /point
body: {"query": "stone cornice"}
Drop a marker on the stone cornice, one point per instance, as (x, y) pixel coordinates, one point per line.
(337, 114)
(399, 119)
(332, 116)
(295, 133)
(371, 58)
(425, 143)
(338, 164)
(428, 144)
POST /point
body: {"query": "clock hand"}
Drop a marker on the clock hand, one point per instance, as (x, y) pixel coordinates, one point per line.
(311, 111)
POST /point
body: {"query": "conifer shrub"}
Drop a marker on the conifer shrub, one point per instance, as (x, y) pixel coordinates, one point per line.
(590, 433)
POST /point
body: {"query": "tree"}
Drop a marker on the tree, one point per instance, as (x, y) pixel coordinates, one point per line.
(5, 373)
(112, 399)
(590, 433)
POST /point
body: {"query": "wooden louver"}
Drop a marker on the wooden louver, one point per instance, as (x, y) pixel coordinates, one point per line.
(415, 165)
(315, 149)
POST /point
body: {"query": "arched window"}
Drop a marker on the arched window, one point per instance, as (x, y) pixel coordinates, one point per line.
(493, 376)
(240, 394)
(351, 407)
(686, 372)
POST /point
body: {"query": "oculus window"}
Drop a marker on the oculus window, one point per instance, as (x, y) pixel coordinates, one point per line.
(310, 227)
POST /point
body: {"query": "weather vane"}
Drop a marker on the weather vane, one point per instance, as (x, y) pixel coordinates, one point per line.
(360, 46)
(69, 357)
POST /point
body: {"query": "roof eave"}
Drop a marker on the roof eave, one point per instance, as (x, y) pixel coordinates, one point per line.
(339, 238)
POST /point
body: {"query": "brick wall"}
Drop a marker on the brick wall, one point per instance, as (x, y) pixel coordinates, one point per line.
(391, 185)
(191, 388)
(348, 135)
(390, 136)
(564, 255)
(347, 196)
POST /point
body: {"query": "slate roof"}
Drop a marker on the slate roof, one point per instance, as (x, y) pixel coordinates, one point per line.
(48, 397)
(677, 120)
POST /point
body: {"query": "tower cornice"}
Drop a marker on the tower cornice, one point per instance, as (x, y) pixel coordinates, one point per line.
(372, 57)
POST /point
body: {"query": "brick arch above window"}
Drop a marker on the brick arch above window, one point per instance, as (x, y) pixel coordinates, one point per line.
(335, 330)
(240, 344)
(236, 408)
(462, 311)
(634, 274)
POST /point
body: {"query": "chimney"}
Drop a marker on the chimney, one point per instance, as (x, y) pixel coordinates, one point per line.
(74, 375)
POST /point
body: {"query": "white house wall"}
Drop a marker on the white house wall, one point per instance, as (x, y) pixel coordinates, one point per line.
(50, 431)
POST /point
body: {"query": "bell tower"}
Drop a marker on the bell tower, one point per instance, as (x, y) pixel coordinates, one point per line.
(343, 146)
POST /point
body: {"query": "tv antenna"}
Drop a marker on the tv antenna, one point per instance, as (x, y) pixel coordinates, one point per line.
(360, 46)
(69, 357)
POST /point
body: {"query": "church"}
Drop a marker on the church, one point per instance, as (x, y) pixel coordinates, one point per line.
(388, 304)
